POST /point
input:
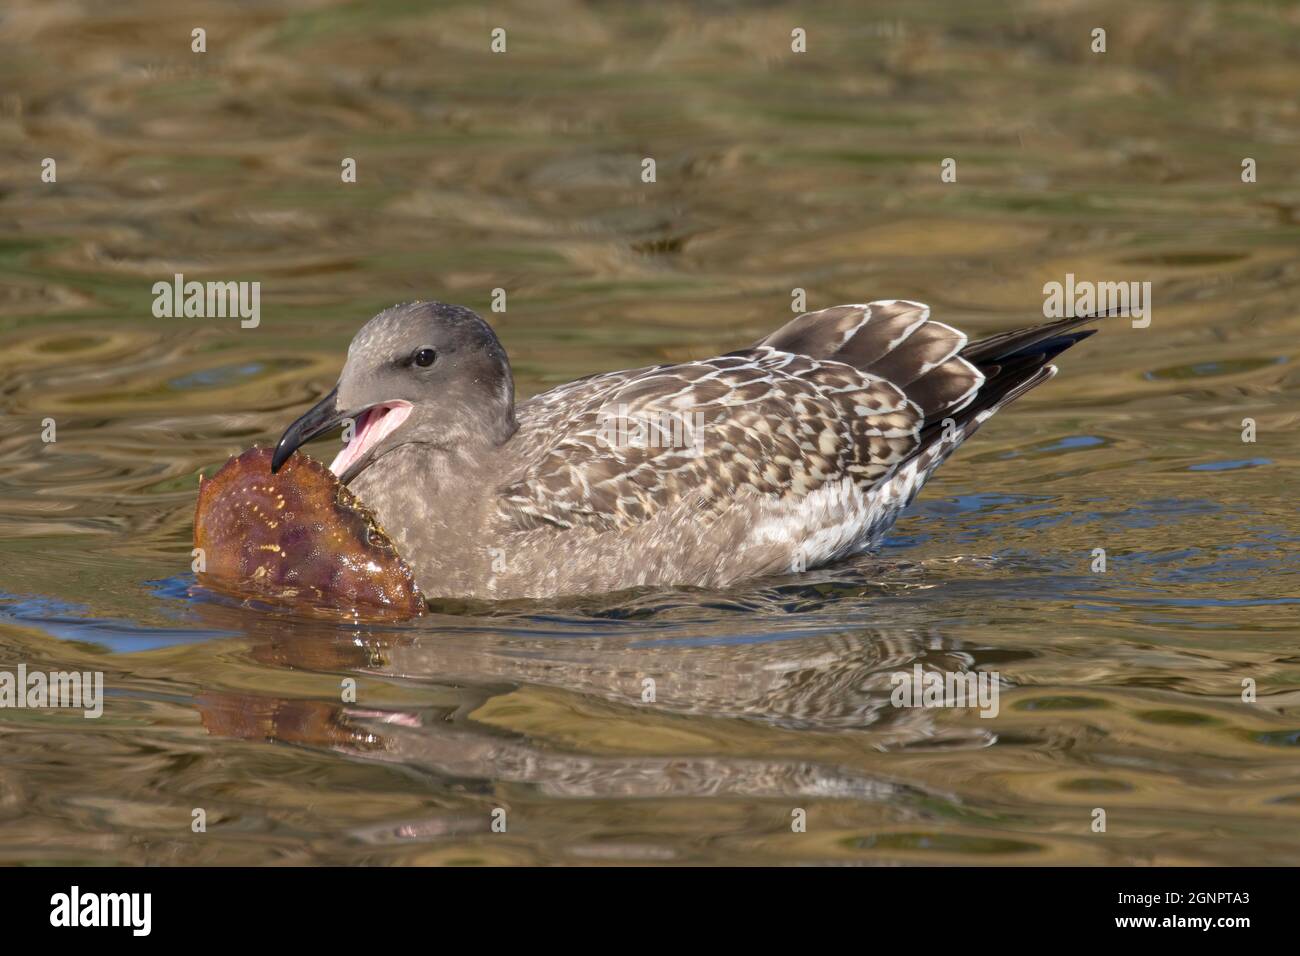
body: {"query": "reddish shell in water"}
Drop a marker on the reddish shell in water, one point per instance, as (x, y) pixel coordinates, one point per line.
(299, 534)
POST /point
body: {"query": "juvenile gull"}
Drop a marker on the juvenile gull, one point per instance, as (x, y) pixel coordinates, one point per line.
(797, 451)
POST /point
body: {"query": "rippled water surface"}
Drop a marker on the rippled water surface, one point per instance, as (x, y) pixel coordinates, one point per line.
(1120, 690)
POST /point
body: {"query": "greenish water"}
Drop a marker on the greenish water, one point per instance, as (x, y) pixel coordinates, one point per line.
(1121, 691)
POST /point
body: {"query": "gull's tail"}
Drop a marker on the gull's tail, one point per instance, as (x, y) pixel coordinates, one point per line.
(956, 384)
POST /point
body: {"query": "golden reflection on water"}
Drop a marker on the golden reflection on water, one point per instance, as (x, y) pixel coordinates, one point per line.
(1121, 690)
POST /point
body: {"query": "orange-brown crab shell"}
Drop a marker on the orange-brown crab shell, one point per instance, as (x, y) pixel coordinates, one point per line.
(298, 535)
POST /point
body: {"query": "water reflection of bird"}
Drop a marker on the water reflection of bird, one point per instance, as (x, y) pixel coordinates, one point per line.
(797, 451)
(794, 675)
(737, 698)
(420, 744)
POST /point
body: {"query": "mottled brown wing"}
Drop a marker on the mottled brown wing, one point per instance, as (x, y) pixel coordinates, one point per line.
(615, 449)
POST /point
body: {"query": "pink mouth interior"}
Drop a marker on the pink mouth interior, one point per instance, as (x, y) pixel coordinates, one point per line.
(373, 426)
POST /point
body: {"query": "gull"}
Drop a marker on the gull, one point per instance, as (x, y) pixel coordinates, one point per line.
(793, 453)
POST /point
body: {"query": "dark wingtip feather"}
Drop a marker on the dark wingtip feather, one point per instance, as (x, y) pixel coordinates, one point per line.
(1028, 341)
(1013, 363)
(1049, 348)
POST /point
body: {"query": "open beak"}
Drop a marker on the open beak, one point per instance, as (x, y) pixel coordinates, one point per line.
(319, 419)
(372, 424)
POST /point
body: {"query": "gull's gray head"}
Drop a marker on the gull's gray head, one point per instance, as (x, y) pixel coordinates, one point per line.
(422, 372)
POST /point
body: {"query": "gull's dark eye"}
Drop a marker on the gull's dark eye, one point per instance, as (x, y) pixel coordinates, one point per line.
(424, 357)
